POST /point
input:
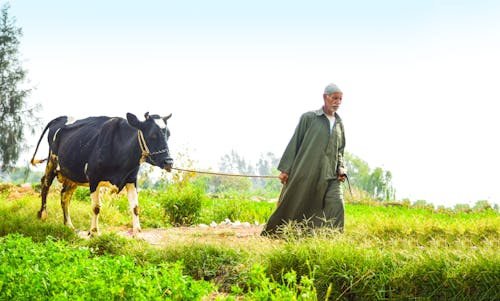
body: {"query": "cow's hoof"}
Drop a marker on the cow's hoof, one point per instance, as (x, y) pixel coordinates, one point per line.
(42, 215)
(70, 225)
(82, 234)
(135, 232)
(93, 232)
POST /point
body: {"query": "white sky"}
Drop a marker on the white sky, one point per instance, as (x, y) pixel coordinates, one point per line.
(420, 78)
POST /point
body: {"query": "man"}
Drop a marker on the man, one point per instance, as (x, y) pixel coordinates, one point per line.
(312, 168)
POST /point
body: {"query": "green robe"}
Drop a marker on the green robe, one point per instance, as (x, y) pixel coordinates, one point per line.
(311, 159)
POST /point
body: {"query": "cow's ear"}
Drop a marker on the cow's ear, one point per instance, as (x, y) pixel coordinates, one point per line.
(167, 117)
(133, 121)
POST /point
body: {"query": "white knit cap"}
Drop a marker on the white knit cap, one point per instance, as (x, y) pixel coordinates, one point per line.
(332, 88)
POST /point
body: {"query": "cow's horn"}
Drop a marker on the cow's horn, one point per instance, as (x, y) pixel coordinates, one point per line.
(167, 117)
(146, 115)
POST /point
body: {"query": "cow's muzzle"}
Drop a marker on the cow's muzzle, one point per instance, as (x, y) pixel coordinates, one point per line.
(169, 163)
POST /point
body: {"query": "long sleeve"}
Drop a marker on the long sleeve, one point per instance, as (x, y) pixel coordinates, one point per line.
(293, 147)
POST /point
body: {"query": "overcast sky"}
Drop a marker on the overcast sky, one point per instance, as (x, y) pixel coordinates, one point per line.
(420, 78)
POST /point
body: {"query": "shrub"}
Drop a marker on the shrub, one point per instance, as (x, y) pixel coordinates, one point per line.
(182, 204)
(82, 194)
(109, 244)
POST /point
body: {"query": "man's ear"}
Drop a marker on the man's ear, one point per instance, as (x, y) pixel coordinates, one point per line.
(133, 121)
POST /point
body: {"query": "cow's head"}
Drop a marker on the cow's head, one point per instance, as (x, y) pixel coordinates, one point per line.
(155, 132)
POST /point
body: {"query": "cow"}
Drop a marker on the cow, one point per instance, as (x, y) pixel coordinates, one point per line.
(102, 152)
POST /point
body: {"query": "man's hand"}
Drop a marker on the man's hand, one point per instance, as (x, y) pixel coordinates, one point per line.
(341, 175)
(283, 177)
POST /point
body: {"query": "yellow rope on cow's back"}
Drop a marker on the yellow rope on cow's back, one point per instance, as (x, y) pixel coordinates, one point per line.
(224, 174)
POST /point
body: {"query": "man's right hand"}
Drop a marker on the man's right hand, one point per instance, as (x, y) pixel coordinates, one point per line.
(283, 177)
(341, 175)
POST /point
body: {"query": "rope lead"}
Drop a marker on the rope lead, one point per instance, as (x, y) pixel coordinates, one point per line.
(224, 174)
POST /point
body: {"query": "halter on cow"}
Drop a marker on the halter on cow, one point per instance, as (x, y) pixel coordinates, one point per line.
(102, 152)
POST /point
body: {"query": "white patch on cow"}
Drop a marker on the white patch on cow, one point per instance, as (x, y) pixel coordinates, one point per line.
(160, 123)
(97, 204)
(55, 134)
(96, 207)
(85, 169)
(133, 201)
(70, 120)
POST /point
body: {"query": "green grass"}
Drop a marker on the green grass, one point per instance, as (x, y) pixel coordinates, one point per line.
(58, 271)
(385, 253)
(236, 210)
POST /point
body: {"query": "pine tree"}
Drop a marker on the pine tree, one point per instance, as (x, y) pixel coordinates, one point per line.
(15, 116)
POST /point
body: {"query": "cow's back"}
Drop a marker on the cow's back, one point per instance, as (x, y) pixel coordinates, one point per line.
(74, 145)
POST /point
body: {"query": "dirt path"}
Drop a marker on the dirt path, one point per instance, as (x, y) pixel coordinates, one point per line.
(220, 234)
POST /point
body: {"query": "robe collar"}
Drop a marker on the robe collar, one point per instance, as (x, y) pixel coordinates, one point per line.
(321, 112)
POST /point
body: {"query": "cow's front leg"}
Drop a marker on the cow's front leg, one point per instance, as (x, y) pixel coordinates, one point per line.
(96, 208)
(133, 201)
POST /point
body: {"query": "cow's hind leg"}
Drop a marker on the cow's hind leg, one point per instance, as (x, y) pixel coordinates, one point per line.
(66, 194)
(47, 179)
(133, 201)
(96, 208)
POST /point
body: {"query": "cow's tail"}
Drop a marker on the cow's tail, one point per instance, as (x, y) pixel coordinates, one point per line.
(34, 161)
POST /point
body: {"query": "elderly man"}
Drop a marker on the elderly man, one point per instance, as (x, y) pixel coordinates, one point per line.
(312, 168)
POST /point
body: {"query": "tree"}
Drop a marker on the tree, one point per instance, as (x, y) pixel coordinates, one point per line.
(377, 183)
(15, 116)
(234, 163)
(358, 171)
(267, 166)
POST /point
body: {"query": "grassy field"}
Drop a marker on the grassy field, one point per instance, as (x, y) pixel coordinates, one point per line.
(386, 253)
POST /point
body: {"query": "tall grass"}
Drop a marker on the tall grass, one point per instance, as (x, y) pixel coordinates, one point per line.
(376, 269)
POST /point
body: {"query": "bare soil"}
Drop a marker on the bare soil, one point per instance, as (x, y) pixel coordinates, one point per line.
(220, 234)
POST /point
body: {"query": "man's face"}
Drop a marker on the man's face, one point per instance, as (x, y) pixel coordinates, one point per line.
(332, 102)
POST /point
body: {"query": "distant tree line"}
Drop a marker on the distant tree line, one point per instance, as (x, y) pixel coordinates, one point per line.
(233, 163)
(377, 182)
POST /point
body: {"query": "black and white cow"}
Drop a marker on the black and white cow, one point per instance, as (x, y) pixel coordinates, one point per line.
(102, 152)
